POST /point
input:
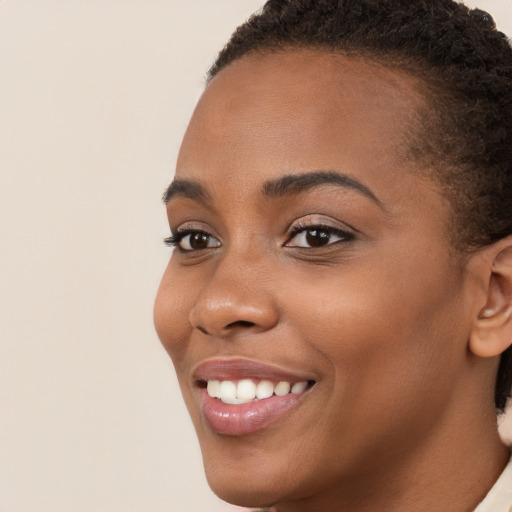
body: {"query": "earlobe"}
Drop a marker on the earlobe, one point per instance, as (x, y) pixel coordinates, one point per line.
(492, 332)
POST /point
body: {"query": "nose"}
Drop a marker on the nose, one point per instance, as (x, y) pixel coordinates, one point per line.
(237, 300)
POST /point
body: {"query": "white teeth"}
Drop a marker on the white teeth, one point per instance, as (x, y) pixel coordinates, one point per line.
(245, 390)
(227, 391)
(231, 401)
(264, 389)
(281, 389)
(213, 388)
(299, 387)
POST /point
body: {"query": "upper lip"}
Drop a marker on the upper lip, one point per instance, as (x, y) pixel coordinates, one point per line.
(239, 368)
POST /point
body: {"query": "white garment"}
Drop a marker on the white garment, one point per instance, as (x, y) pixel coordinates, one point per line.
(499, 498)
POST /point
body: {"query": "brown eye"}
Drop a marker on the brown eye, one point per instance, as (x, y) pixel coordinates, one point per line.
(317, 236)
(196, 241)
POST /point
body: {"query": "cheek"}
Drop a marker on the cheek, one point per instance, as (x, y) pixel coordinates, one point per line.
(393, 340)
(171, 313)
(383, 324)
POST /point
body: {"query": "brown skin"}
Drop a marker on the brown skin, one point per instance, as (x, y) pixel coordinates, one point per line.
(389, 323)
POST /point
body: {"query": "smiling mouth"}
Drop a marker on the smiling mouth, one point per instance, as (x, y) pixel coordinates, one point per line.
(244, 391)
(241, 407)
(239, 396)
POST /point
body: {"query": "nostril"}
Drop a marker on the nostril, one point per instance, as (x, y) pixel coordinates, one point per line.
(244, 324)
(240, 323)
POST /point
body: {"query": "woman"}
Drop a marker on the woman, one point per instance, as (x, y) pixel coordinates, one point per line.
(339, 304)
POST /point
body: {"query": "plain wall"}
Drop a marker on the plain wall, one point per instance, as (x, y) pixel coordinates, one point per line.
(94, 98)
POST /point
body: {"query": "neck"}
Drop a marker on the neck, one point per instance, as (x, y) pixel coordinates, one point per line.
(450, 471)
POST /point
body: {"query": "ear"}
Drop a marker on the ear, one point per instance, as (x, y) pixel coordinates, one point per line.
(492, 331)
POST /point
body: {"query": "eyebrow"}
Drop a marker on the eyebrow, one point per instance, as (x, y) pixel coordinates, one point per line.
(297, 183)
(188, 189)
(290, 184)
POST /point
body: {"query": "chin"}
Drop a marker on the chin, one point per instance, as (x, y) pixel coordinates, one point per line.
(247, 498)
(244, 490)
(246, 478)
(255, 474)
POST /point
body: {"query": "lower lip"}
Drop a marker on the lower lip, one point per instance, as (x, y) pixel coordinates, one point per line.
(242, 419)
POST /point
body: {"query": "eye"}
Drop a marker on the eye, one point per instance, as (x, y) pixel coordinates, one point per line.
(317, 236)
(192, 240)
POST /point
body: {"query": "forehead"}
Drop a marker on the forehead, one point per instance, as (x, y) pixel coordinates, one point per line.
(294, 111)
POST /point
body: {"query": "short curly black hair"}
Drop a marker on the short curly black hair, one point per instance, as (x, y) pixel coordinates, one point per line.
(465, 65)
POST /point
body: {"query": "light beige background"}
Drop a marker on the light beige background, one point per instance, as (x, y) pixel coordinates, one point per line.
(94, 98)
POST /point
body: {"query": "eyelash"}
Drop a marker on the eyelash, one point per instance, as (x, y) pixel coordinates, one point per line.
(345, 236)
(176, 237)
(300, 227)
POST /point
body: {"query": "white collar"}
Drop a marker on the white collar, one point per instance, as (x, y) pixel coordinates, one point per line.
(499, 498)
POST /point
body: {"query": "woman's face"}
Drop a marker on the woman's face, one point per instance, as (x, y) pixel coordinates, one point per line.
(311, 252)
